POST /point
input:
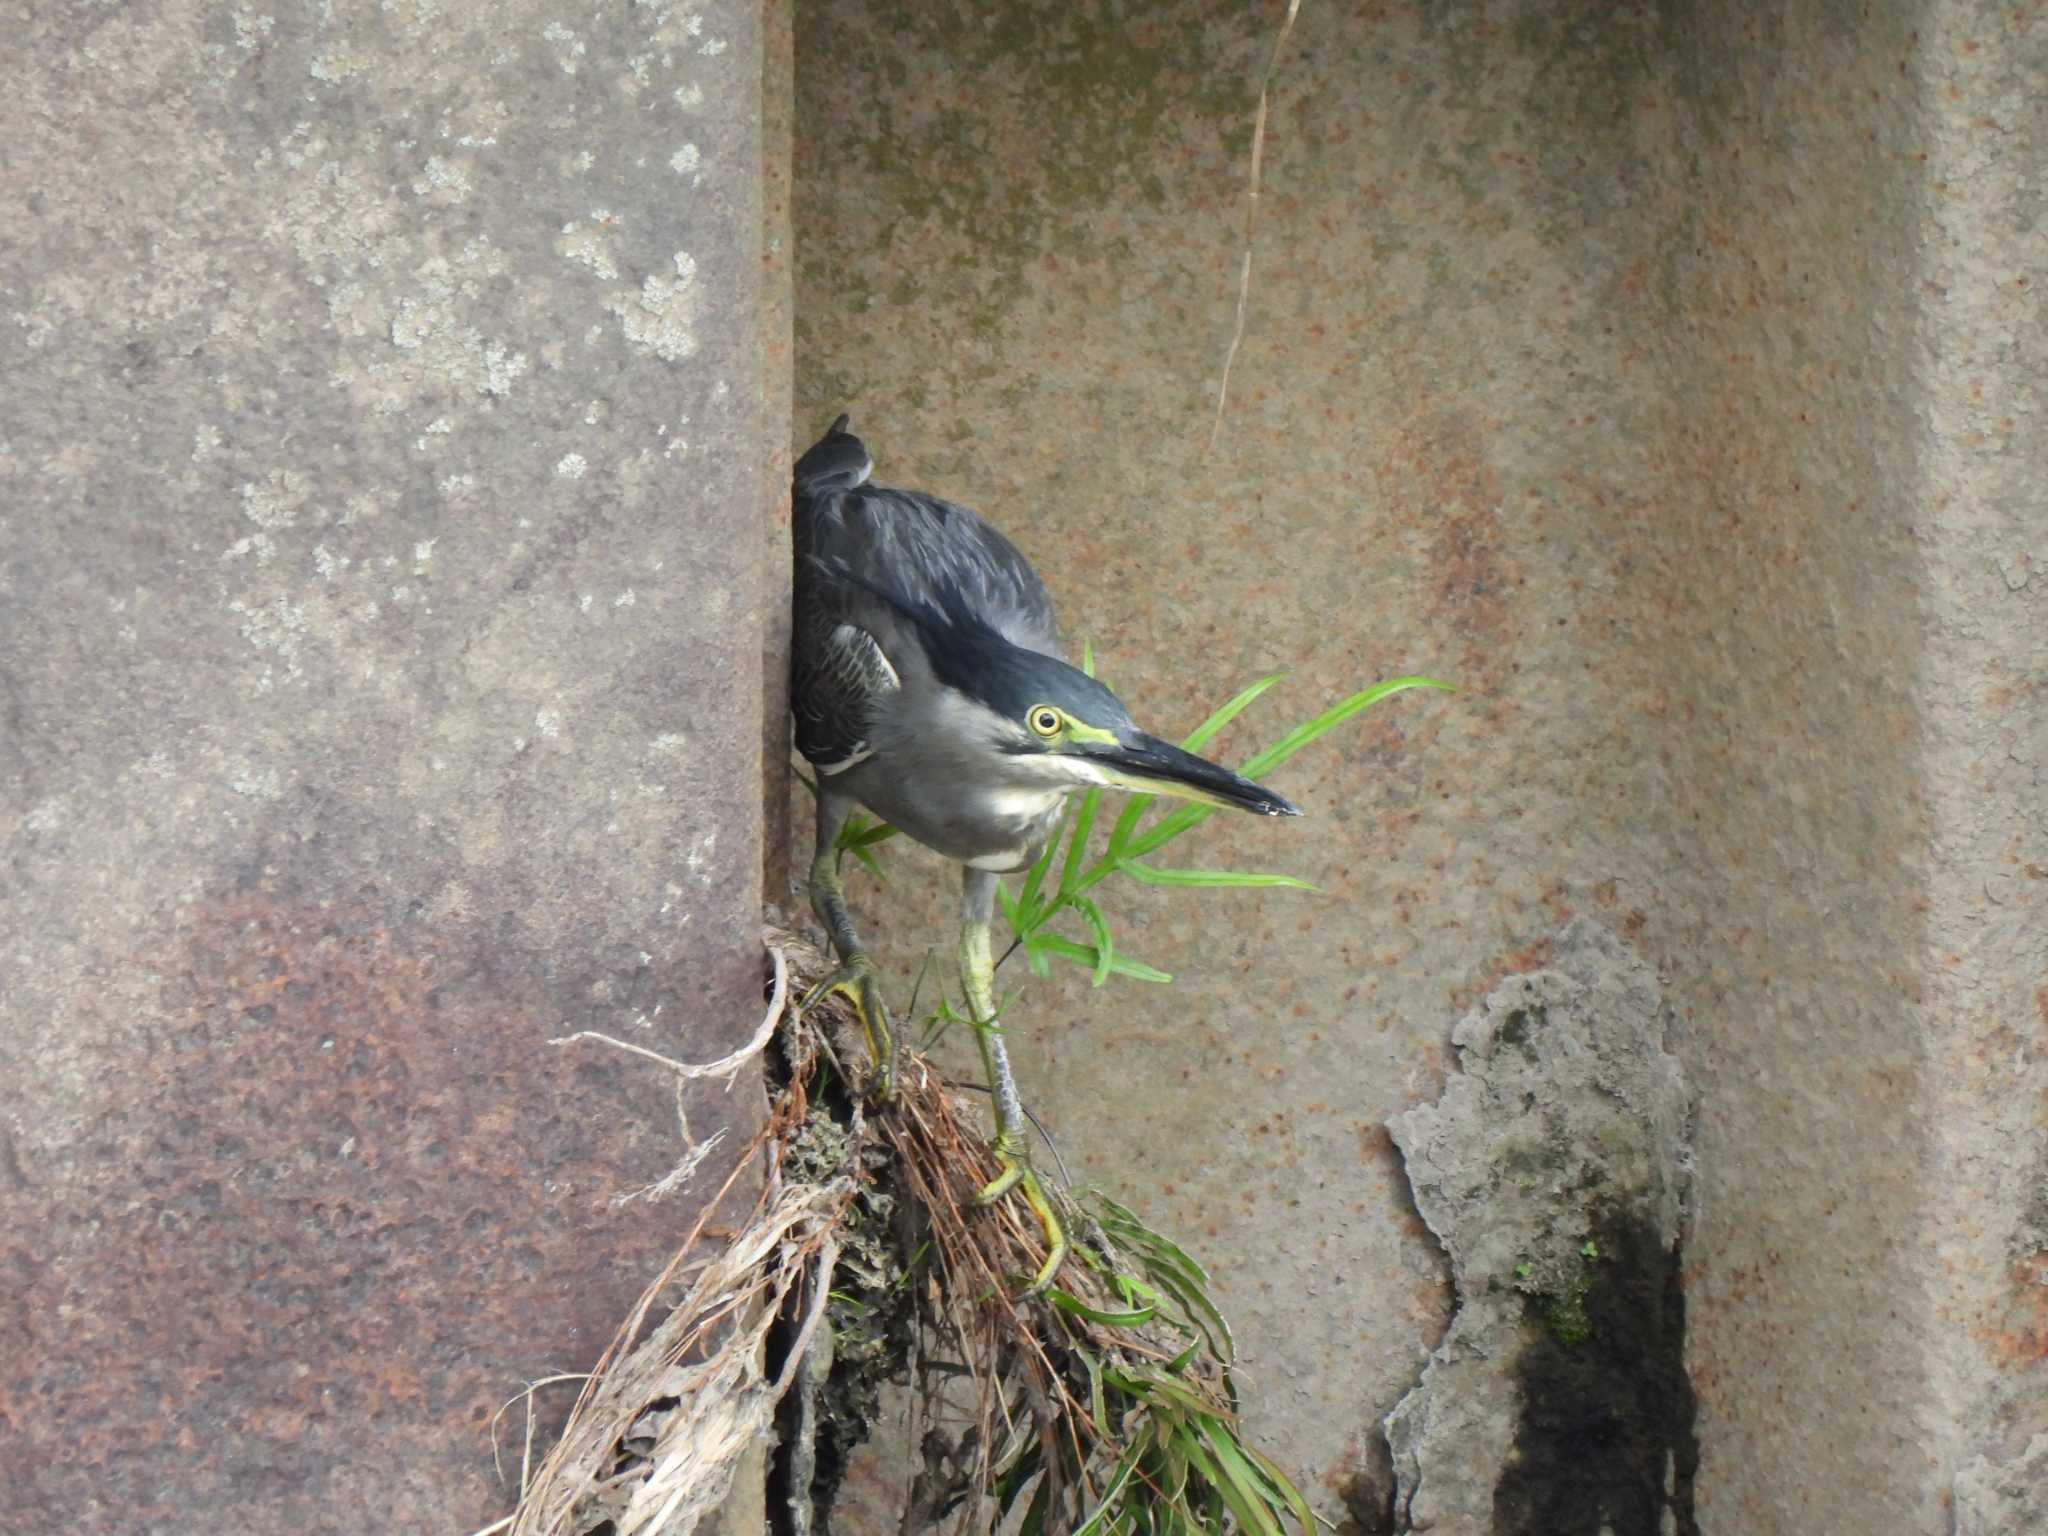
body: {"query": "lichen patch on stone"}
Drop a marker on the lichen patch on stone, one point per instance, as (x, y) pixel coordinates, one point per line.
(660, 319)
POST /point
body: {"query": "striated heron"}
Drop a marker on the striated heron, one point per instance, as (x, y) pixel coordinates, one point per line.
(929, 686)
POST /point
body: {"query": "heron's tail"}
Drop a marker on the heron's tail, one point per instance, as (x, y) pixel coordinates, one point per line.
(838, 461)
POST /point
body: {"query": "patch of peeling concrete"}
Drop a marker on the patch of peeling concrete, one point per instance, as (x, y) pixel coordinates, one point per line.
(2005, 1497)
(1556, 1171)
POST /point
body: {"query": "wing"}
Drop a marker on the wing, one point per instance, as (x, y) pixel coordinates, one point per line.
(839, 681)
(919, 549)
(932, 554)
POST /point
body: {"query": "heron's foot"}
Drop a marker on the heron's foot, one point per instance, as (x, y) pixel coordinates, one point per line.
(1017, 1174)
(855, 981)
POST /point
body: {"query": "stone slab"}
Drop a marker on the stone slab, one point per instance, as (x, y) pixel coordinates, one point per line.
(381, 609)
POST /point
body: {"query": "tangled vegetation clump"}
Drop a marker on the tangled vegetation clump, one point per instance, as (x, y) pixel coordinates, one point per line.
(1104, 1404)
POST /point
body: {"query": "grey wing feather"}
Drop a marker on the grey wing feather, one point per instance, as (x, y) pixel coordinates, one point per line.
(931, 553)
(841, 679)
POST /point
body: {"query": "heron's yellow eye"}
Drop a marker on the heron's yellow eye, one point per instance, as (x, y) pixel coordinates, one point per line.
(1046, 720)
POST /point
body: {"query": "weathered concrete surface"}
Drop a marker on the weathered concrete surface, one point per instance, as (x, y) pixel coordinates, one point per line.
(380, 614)
(1774, 682)
(1557, 1171)
(1984, 693)
(778, 320)
(1659, 374)
(2005, 1498)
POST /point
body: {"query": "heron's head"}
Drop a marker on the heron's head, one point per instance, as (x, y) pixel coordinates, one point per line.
(1039, 723)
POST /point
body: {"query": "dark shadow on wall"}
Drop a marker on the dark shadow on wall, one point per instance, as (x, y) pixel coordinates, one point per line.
(1606, 1440)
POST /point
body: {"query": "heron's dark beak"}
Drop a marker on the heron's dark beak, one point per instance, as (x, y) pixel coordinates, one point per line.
(1141, 762)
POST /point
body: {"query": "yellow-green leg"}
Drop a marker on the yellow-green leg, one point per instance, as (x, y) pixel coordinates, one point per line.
(855, 978)
(978, 978)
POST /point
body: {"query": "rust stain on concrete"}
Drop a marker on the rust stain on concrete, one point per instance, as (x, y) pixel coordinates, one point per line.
(339, 1206)
(2023, 1340)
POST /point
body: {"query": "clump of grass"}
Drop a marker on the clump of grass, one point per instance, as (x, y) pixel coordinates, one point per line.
(1104, 1404)
(1156, 1445)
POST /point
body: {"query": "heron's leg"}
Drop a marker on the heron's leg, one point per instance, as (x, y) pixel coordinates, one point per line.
(978, 978)
(855, 978)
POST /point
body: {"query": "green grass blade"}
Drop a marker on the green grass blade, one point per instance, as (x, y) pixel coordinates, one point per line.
(1145, 874)
(858, 837)
(1110, 1493)
(1240, 1475)
(1174, 1270)
(1136, 1318)
(1174, 1480)
(1151, 1385)
(1077, 839)
(1123, 845)
(1035, 950)
(942, 1019)
(1202, 734)
(1330, 719)
(1162, 833)
(1134, 1290)
(1200, 1311)
(1121, 1217)
(1098, 1408)
(1284, 1486)
(1098, 925)
(1248, 1512)
(1084, 955)
(1231, 1454)
(1120, 833)
(1036, 878)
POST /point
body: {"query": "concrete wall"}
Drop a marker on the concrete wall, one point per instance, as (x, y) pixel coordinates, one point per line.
(1659, 375)
(381, 606)
(383, 508)
(1983, 696)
